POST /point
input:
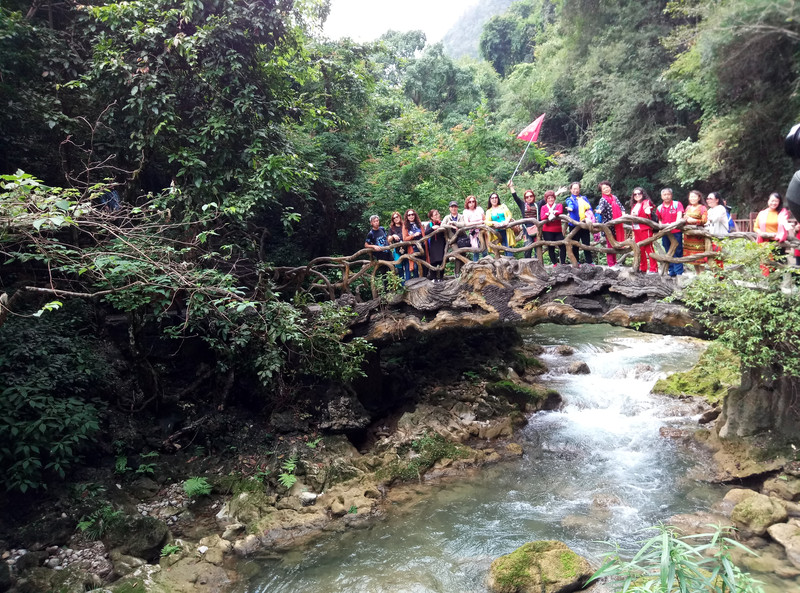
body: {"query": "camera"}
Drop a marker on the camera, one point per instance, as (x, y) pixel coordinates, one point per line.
(792, 146)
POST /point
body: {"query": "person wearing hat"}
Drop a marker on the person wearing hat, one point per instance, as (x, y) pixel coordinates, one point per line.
(453, 221)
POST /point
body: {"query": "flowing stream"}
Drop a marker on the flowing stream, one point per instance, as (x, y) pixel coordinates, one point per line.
(596, 470)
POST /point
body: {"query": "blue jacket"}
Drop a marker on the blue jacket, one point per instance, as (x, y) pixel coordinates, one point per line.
(576, 207)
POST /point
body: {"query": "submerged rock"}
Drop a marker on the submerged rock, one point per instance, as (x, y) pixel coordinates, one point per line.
(697, 523)
(539, 567)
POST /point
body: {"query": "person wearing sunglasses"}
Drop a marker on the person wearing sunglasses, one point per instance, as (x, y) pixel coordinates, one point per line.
(412, 230)
(498, 215)
(473, 214)
(528, 208)
(580, 210)
(642, 206)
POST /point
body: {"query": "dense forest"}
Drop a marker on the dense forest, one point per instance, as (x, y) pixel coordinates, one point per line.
(160, 156)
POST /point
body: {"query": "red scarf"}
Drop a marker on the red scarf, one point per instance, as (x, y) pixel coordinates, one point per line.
(616, 212)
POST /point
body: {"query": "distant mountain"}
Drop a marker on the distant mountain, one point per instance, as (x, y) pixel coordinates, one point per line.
(462, 39)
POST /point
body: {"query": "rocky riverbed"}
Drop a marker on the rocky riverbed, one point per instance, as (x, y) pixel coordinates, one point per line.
(450, 415)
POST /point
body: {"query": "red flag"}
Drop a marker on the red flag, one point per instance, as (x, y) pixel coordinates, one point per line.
(531, 133)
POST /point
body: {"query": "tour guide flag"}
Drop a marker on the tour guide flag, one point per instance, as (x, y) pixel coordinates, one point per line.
(531, 134)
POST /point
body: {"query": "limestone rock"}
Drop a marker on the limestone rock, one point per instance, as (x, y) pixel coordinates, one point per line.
(696, 523)
(143, 488)
(761, 405)
(771, 559)
(232, 530)
(783, 486)
(756, 513)
(246, 546)
(31, 560)
(565, 350)
(709, 416)
(792, 508)
(587, 525)
(788, 535)
(732, 498)
(69, 580)
(249, 507)
(308, 498)
(670, 432)
(190, 576)
(514, 449)
(539, 567)
(578, 367)
(124, 564)
(344, 412)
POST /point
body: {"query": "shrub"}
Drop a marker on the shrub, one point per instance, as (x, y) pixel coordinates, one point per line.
(100, 521)
(50, 372)
(667, 563)
(429, 448)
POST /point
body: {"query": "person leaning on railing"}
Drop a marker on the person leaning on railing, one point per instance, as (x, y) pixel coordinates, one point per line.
(610, 208)
(498, 215)
(527, 207)
(552, 229)
(642, 206)
(454, 221)
(772, 224)
(473, 214)
(696, 215)
(668, 212)
(578, 207)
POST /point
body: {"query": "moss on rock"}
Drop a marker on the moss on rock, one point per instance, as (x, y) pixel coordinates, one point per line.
(717, 370)
(423, 453)
(756, 513)
(547, 566)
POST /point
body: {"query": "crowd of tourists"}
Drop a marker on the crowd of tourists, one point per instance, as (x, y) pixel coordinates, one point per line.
(710, 213)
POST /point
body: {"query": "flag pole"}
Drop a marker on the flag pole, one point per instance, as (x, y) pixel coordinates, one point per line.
(520, 160)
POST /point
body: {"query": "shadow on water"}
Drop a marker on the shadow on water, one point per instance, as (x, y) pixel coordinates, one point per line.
(596, 470)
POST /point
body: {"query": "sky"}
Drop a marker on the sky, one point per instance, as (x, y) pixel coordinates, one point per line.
(366, 20)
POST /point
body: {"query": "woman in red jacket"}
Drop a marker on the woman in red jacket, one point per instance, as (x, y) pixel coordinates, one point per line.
(551, 229)
(642, 206)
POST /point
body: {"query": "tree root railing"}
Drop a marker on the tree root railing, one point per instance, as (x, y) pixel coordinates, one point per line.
(344, 273)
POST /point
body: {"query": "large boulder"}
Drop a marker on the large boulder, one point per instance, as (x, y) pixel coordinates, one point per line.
(756, 513)
(539, 567)
(142, 537)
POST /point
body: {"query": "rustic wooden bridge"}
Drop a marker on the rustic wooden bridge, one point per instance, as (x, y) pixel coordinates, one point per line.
(359, 274)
